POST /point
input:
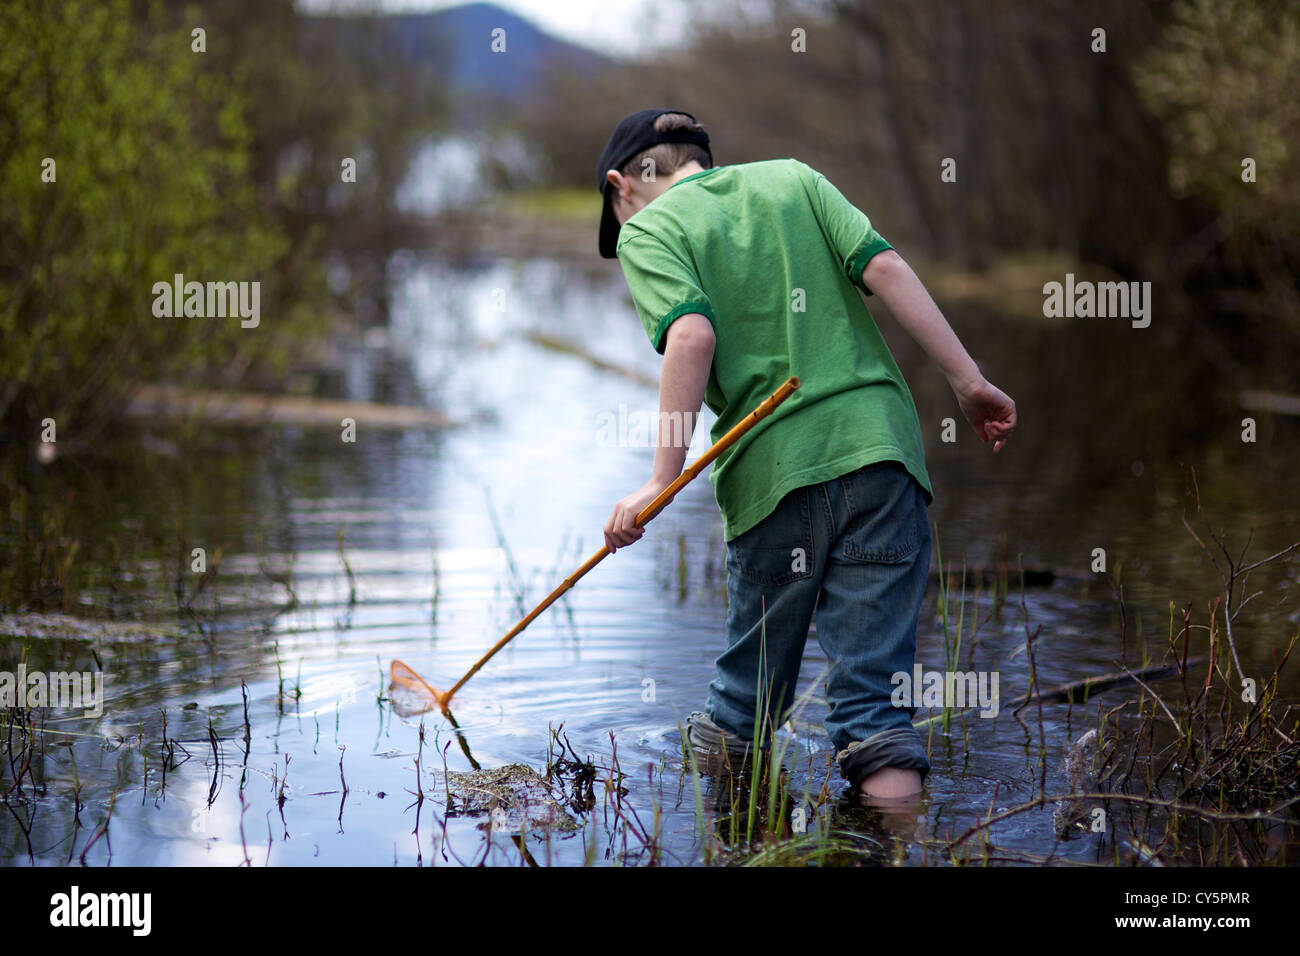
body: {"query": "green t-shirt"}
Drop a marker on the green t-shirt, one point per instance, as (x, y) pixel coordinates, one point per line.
(772, 254)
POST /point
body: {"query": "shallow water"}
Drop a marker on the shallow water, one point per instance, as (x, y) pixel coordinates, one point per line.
(451, 536)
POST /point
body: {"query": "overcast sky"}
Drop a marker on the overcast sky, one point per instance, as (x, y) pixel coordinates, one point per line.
(620, 27)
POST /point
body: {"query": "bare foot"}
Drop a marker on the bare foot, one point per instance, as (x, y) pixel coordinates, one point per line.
(891, 783)
(895, 794)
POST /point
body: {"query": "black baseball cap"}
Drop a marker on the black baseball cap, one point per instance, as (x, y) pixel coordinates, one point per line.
(633, 135)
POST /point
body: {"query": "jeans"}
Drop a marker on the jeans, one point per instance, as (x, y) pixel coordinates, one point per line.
(856, 549)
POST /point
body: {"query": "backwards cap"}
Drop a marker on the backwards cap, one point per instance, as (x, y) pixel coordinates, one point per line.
(635, 134)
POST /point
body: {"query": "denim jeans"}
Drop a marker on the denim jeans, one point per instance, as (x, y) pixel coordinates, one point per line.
(856, 549)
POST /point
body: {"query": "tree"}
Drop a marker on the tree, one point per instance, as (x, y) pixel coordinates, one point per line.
(1222, 82)
(124, 163)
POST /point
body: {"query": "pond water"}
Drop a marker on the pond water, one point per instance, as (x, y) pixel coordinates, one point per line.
(274, 684)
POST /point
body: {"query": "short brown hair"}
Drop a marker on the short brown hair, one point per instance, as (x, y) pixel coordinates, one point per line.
(670, 157)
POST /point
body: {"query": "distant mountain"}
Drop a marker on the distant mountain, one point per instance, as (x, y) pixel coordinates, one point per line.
(455, 45)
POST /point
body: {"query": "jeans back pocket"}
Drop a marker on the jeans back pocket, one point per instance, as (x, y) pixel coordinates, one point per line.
(779, 549)
(886, 520)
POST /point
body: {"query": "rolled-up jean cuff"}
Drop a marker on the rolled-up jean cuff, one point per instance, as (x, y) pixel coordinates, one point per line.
(900, 747)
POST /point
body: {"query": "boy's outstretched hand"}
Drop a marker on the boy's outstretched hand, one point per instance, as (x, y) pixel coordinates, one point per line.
(621, 529)
(990, 411)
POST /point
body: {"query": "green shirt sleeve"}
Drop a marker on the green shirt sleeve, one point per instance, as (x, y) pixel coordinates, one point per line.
(846, 226)
(663, 284)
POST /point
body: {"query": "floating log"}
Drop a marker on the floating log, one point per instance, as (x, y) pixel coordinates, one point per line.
(1278, 402)
(992, 577)
(570, 348)
(1076, 691)
(256, 409)
(1079, 690)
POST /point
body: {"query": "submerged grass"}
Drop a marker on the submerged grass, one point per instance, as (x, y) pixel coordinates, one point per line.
(1206, 773)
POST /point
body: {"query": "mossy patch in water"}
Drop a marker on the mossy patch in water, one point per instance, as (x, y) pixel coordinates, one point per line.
(511, 796)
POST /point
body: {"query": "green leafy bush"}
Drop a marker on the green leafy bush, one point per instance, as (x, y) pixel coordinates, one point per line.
(150, 178)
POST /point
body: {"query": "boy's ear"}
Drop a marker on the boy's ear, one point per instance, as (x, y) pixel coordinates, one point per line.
(615, 179)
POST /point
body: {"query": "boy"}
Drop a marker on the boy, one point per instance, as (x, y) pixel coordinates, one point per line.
(743, 276)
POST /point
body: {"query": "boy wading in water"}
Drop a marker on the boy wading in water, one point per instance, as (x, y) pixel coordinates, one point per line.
(745, 275)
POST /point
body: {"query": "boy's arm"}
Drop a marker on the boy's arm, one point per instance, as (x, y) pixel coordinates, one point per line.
(688, 357)
(989, 410)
